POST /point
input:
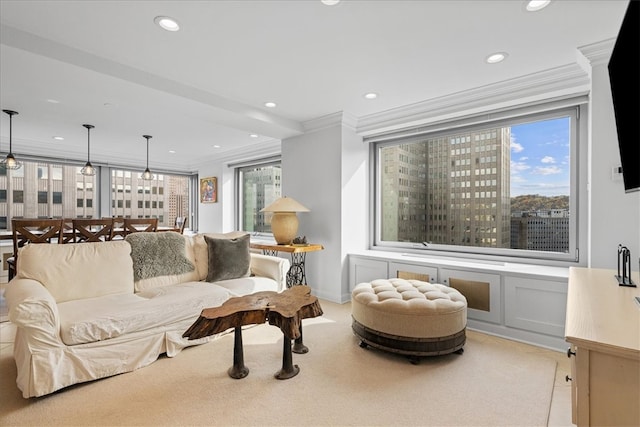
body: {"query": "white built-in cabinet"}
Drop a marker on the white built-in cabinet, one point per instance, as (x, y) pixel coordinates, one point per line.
(522, 302)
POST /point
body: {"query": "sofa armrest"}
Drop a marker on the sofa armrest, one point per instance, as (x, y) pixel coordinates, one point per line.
(273, 267)
(33, 308)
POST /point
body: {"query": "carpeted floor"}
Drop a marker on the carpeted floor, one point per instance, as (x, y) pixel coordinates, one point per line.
(494, 382)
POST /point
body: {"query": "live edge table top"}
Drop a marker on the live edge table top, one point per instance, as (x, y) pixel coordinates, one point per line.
(284, 310)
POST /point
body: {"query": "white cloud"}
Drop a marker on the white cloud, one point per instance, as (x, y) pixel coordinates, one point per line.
(523, 158)
(519, 167)
(548, 159)
(549, 170)
(515, 147)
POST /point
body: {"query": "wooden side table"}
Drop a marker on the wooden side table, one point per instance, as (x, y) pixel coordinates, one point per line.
(296, 274)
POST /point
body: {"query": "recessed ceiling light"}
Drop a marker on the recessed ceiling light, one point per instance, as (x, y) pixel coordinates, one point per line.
(58, 138)
(172, 151)
(371, 95)
(330, 2)
(167, 23)
(53, 101)
(494, 58)
(216, 146)
(536, 5)
(253, 135)
(270, 104)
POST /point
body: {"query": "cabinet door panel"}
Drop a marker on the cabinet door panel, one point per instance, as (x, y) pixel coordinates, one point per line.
(416, 272)
(535, 305)
(366, 270)
(482, 291)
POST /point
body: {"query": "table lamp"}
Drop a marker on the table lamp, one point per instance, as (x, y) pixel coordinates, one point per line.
(284, 222)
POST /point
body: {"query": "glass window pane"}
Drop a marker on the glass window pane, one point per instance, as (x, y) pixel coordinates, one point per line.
(165, 197)
(520, 172)
(259, 186)
(34, 191)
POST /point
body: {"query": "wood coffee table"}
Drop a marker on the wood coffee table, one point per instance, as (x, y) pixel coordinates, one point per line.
(284, 310)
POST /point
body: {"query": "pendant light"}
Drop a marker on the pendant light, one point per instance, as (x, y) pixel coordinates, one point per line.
(147, 175)
(88, 169)
(10, 162)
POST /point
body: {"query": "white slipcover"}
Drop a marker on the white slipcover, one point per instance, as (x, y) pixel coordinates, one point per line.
(92, 331)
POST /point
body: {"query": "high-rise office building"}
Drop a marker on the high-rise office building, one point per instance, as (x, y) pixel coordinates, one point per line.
(47, 190)
(448, 190)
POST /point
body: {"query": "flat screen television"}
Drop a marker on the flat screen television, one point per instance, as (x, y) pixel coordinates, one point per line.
(624, 77)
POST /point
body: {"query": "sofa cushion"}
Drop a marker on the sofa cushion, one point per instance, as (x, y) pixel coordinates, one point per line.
(79, 270)
(172, 279)
(228, 258)
(98, 319)
(201, 250)
(158, 254)
(249, 285)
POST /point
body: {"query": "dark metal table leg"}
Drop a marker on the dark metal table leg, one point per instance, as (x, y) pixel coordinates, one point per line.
(238, 370)
(288, 370)
(298, 346)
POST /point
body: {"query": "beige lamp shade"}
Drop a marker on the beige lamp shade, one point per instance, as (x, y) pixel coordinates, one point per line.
(284, 222)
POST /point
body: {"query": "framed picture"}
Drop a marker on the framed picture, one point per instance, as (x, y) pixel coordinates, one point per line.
(209, 190)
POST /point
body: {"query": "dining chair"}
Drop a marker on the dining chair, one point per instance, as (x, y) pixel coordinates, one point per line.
(67, 230)
(178, 226)
(181, 223)
(118, 227)
(135, 225)
(31, 230)
(92, 229)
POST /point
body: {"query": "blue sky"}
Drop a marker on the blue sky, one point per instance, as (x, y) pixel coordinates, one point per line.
(540, 158)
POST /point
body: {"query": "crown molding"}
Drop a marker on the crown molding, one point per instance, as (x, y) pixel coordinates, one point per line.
(598, 53)
(341, 118)
(254, 151)
(564, 80)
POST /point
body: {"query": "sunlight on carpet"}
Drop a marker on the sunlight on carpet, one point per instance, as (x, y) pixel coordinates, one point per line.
(494, 382)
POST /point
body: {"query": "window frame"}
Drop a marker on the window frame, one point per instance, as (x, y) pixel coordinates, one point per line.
(101, 204)
(575, 107)
(238, 169)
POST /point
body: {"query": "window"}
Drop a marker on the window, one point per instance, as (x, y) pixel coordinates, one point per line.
(502, 187)
(76, 195)
(148, 198)
(258, 185)
(30, 195)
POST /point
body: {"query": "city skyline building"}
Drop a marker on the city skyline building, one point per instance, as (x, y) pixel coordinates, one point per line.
(47, 190)
(451, 190)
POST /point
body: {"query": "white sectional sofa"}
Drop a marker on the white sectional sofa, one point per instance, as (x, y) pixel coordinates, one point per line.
(90, 310)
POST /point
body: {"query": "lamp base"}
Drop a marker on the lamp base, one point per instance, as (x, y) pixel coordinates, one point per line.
(284, 226)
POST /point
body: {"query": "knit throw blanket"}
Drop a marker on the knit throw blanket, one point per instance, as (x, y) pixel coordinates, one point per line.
(158, 254)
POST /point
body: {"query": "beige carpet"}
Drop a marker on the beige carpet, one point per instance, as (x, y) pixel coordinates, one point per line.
(495, 382)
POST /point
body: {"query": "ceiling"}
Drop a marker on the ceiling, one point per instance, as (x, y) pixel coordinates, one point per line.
(201, 91)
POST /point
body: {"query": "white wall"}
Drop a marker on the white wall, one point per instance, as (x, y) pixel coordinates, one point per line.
(326, 169)
(211, 215)
(614, 215)
(311, 165)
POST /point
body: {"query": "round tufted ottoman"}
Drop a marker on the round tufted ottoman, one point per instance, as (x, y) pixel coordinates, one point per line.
(409, 317)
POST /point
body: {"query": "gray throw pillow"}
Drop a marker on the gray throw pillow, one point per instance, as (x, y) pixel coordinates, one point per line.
(228, 258)
(158, 254)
